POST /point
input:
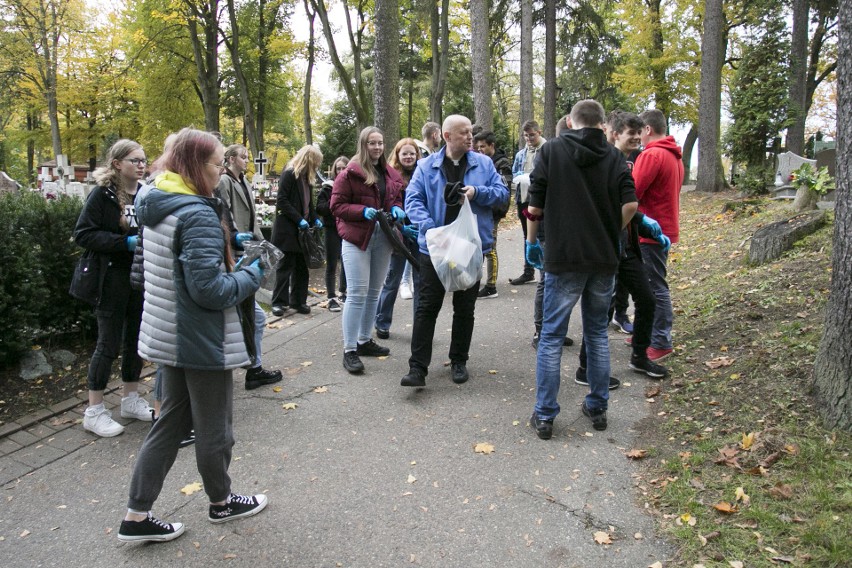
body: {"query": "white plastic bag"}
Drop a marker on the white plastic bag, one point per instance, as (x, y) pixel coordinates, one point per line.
(456, 251)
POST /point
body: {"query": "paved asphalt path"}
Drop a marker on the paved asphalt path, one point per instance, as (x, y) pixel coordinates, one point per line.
(365, 473)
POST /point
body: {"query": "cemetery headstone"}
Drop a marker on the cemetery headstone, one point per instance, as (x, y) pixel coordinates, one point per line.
(7, 184)
(788, 162)
(76, 189)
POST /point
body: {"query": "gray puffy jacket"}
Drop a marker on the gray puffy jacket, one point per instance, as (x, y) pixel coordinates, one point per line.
(190, 318)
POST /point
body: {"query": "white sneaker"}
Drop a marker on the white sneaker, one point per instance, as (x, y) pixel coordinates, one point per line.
(102, 424)
(405, 291)
(135, 407)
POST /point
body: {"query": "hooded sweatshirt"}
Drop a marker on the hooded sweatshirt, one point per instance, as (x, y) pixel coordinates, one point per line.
(189, 319)
(658, 174)
(581, 182)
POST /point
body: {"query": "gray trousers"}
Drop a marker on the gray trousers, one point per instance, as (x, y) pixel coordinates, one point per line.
(203, 400)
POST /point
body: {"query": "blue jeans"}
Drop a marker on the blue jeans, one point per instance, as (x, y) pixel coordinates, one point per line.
(259, 325)
(387, 299)
(365, 273)
(655, 264)
(561, 294)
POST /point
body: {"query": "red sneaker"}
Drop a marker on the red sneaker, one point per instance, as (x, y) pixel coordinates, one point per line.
(655, 354)
(629, 340)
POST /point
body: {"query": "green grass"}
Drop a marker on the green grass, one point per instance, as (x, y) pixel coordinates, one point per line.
(768, 319)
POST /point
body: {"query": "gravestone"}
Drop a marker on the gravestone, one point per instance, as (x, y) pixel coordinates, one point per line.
(50, 187)
(76, 189)
(827, 159)
(788, 162)
(7, 184)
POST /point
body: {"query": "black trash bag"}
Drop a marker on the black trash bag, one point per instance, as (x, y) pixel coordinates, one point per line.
(313, 247)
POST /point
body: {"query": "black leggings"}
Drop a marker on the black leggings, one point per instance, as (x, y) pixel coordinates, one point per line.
(332, 257)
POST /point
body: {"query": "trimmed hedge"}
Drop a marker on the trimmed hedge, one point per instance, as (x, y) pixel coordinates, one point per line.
(37, 260)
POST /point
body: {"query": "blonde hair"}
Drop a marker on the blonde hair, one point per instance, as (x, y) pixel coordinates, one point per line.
(362, 158)
(109, 176)
(306, 161)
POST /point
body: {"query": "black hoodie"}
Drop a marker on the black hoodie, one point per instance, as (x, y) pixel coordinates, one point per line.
(581, 182)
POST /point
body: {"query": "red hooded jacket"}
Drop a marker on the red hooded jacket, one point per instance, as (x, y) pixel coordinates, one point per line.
(658, 175)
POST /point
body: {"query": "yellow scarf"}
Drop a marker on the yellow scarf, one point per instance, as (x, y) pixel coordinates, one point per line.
(174, 183)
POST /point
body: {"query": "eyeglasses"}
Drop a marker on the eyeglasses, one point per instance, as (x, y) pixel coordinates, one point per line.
(375, 144)
(137, 161)
(220, 167)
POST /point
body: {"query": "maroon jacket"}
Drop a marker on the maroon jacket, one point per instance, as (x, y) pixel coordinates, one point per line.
(351, 195)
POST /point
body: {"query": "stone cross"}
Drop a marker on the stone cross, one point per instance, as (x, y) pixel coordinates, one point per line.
(63, 170)
(260, 161)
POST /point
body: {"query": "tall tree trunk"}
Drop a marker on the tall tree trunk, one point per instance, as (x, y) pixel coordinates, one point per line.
(480, 50)
(205, 49)
(526, 66)
(386, 69)
(233, 45)
(833, 364)
(798, 78)
(816, 73)
(265, 28)
(549, 68)
(440, 27)
(688, 145)
(662, 96)
(710, 98)
(306, 100)
(351, 82)
(32, 124)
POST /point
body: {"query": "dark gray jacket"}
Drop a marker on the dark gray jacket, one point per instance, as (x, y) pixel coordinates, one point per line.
(190, 319)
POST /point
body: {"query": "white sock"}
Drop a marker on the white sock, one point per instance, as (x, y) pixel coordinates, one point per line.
(135, 512)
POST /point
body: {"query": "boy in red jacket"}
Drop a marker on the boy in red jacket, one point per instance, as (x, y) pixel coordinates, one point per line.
(658, 175)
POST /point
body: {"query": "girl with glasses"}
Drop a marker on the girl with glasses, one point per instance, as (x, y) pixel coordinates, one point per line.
(107, 229)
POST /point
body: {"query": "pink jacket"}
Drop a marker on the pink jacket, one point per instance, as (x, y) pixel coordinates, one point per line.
(351, 196)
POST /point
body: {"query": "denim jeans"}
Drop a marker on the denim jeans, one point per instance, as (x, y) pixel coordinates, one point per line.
(387, 299)
(561, 294)
(655, 264)
(259, 326)
(365, 273)
(432, 294)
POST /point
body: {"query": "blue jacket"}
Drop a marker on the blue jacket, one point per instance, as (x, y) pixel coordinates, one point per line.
(190, 318)
(424, 197)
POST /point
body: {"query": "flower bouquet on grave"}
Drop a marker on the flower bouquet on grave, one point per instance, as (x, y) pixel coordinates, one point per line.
(265, 214)
(261, 188)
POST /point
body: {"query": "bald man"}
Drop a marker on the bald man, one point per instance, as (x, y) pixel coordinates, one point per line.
(425, 205)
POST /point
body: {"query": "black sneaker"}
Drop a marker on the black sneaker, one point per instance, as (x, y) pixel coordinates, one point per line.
(352, 363)
(543, 428)
(567, 342)
(149, 530)
(237, 507)
(534, 341)
(372, 349)
(302, 308)
(580, 379)
(459, 371)
(258, 376)
(413, 379)
(522, 279)
(645, 365)
(333, 305)
(487, 292)
(189, 440)
(598, 417)
(382, 333)
(278, 310)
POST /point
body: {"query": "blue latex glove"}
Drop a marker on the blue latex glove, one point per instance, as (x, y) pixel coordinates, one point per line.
(665, 242)
(131, 243)
(256, 264)
(303, 224)
(410, 231)
(652, 226)
(397, 213)
(318, 224)
(241, 238)
(369, 213)
(534, 254)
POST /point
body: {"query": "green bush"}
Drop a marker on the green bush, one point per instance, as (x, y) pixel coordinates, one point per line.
(753, 181)
(36, 265)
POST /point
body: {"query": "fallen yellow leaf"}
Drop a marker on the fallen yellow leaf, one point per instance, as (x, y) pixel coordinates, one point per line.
(307, 363)
(321, 389)
(636, 454)
(747, 441)
(725, 507)
(191, 488)
(492, 372)
(276, 389)
(411, 478)
(741, 496)
(289, 406)
(483, 448)
(602, 538)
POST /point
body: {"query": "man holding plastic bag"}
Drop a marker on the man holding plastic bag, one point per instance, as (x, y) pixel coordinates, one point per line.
(450, 199)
